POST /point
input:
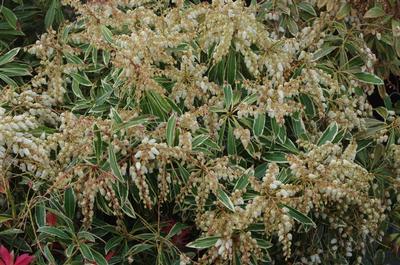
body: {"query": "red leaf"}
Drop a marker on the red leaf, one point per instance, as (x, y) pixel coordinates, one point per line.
(109, 255)
(24, 259)
(6, 256)
(51, 219)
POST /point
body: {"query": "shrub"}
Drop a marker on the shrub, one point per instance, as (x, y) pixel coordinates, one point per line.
(204, 133)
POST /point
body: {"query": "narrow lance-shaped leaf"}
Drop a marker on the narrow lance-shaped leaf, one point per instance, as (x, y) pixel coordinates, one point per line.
(53, 231)
(171, 126)
(9, 56)
(107, 34)
(375, 12)
(259, 124)
(231, 143)
(324, 51)
(369, 78)
(224, 198)
(228, 96)
(204, 242)
(114, 164)
(82, 79)
(176, 229)
(9, 16)
(69, 202)
(298, 216)
(329, 134)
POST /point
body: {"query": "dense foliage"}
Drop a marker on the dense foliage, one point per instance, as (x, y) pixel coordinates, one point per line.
(151, 132)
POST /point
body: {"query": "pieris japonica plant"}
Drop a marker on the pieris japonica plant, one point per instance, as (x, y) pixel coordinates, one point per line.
(205, 133)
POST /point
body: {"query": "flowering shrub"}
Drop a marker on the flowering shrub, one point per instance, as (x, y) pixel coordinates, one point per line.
(205, 133)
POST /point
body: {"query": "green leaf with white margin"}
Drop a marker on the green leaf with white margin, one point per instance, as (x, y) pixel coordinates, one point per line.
(204, 242)
(171, 127)
(69, 203)
(112, 159)
(224, 198)
(343, 11)
(231, 68)
(242, 182)
(9, 56)
(329, 134)
(298, 216)
(48, 255)
(375, 12)
(231, 143)
(275, 156)
(106, 33)
(308, 8)
(369, 78)
(324, 51)
(98, 258)
(86, 252)
(50, 14)
(53, 231)
(82, 79)
(176, 229)
(228, 96)
(9, 16)
(259, 124)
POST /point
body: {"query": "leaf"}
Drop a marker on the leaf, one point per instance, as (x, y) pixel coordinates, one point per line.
(70, 250)
(204, 242)
(224, 198)
(228, 96)
(48, 255)
(50, 14)
(9, 16)
(369, 78)
(9, 56)
(374, 12)
(324, 51)
(292, 26)
(113, 243)
(98, 143)
(4, 218)
(242, 182)
(112, 159)
(171, 127)
(128, 209)
(76, 90)
(106, 33)
(329, 134)
(11, 231)
(308, 104)
(53, 231)
(264, 244)
(86, 253)
(344, 11)
(86, 236)
(308, 8)
(275, 156)
(133, 122)
(199, 140)
(40, 214)
(231, 144)
(69, 202)
(98, 258)
(81, 79)
(8, 80)
(259, 124)
(176, 229)
(231, 68)
(298, 216)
